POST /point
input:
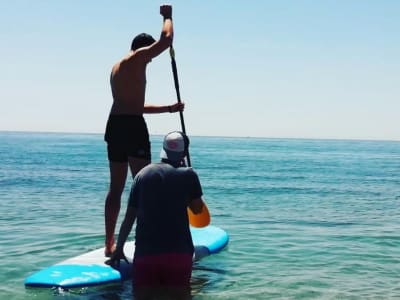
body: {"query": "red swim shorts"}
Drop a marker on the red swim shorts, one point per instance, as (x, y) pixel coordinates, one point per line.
(172, 269)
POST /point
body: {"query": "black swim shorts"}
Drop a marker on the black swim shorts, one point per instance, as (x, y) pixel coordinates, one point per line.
(127, 136)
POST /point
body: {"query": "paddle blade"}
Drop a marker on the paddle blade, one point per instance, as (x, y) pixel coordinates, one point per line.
(199, 220)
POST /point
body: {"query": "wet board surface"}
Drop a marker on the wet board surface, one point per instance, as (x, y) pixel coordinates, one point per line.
(89, 269)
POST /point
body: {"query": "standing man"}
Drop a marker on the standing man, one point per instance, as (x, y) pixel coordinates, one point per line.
(126, 133)
(160, 195)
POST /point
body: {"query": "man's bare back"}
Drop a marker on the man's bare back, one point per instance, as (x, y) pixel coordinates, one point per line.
(128, 76)
(128, 85)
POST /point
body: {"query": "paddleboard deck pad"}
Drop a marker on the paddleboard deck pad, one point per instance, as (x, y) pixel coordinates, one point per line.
(90, 269)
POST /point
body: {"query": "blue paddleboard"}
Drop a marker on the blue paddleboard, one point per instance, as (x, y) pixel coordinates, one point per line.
(89, 269)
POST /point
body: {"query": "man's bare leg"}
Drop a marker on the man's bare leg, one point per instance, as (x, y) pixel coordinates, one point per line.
(118, 174)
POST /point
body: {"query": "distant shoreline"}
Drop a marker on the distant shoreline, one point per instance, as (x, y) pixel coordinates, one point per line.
(216, 136)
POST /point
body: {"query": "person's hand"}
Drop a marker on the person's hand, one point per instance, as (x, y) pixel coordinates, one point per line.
(178, 106)
(115, 258)
(166, 11)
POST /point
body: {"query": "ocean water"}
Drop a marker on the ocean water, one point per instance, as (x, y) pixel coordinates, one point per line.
(307, 219)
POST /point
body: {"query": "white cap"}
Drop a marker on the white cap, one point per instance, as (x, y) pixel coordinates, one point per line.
(174, 146)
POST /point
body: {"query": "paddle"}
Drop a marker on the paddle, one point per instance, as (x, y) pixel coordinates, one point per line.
(202, 219)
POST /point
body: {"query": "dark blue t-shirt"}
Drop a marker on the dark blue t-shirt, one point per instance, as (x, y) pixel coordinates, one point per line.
(161, 193)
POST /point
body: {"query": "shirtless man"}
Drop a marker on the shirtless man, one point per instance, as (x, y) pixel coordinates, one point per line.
(126, 133)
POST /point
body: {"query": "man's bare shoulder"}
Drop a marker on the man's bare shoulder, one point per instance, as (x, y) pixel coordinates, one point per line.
(132, 60)
(122, 65)
(115, 67)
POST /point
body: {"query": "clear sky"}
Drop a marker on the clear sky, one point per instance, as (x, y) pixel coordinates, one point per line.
(263, 68)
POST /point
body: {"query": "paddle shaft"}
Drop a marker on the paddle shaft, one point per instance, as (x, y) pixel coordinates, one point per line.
(178, 94)
(202, 219)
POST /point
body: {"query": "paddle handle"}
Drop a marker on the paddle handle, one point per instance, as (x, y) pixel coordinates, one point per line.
(178, 94)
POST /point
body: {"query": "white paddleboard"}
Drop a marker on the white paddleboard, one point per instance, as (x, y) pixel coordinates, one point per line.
(89, 269)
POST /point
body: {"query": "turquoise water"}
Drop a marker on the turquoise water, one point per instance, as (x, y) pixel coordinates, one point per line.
(307, 219)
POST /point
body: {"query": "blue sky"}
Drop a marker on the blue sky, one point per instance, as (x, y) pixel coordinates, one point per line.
(290, 69)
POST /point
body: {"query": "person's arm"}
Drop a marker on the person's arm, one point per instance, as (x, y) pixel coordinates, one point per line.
(126, 226)
(196, 205)
(166, 37)
(196, 202)
(167, 31)
(124, 231)
(157, 109)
